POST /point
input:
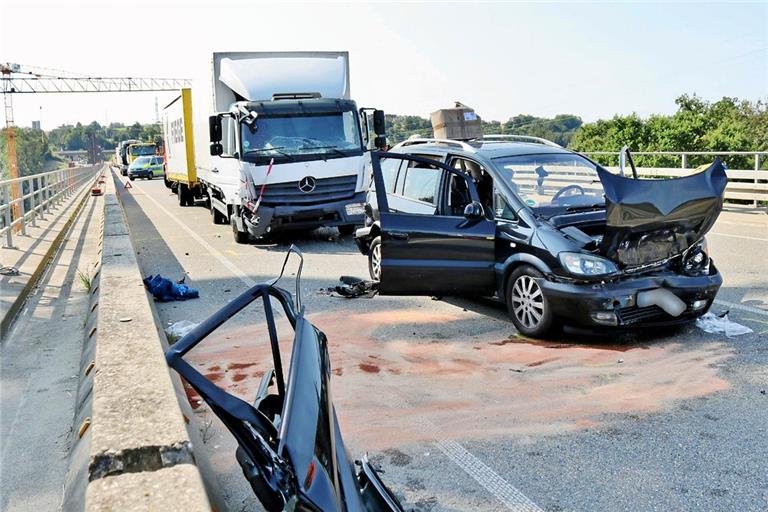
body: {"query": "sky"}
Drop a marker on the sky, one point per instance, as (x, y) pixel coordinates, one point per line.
(594, 59)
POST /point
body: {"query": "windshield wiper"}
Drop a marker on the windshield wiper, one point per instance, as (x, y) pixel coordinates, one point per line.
(576, 208)
(332, 148)
(276, 150)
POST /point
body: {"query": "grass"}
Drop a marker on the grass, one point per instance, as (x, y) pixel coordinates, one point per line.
(85, 279)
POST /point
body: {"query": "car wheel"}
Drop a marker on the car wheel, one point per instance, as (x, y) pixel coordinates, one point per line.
(527, 305)
(346, 229)
(131, 178)
(241, 237)
(374, 259)
(150, 176)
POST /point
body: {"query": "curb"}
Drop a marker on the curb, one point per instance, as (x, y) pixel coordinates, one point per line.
(139, 453)
(34, 279)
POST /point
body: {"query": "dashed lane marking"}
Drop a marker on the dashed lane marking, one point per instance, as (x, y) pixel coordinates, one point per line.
(739, 236)
(742, 307)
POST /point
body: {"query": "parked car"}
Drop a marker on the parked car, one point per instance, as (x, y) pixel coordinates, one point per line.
(555, 236)
(146, 167)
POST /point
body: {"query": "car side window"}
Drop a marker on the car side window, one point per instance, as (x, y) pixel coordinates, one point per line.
(501, 207)
(389, 170)
(421, 182)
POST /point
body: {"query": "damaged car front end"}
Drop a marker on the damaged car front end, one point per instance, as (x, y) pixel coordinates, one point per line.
(290, 447)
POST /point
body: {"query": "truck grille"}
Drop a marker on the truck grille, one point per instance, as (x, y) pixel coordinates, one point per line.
(326, 190)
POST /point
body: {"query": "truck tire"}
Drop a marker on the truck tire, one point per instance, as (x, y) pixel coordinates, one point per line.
(347, 229)
(241, 237)
(217, 216)
(168, 184)
(185, 195)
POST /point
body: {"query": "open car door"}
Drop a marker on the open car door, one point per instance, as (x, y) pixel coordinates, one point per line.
(448, 251)
(289, 443)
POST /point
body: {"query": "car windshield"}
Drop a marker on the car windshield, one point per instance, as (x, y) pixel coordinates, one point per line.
(553, 183)
(143, 150)
(332, 134)
(142, 161)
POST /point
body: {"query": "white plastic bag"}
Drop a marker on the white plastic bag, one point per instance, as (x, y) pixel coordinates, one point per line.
(180, 329)
(714, 324)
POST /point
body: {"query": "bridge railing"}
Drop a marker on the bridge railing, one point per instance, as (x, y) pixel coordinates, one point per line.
(25, 201)
(743, 184)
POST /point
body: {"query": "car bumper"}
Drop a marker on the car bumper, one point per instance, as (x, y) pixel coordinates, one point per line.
(140, 174)
(615, 304)
(284, 217)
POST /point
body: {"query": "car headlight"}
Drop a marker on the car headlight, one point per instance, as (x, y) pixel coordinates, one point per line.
(696, 259)
(586, 265)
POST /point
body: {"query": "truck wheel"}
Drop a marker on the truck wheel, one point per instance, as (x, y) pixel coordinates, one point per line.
(374, 259)
(218, 217)
(527, 305)
(241, 237)
(168, 184)
(347, 229)
(181, 191)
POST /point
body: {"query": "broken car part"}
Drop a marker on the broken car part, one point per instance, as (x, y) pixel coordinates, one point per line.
(289, 443)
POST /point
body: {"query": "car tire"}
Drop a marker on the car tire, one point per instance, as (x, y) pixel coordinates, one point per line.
(131, 178)
(241, 237)
(346, 229)
(374, 259)
(527, 305)
(150, 176)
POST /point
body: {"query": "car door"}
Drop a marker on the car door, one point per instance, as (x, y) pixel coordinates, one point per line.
(429, 250)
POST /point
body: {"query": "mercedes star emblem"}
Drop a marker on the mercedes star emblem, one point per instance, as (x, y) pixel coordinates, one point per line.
(307, 184)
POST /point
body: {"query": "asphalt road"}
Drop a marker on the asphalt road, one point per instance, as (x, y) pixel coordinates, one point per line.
(464, 414)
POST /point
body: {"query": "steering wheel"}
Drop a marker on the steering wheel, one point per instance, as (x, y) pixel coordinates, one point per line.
(566, 189)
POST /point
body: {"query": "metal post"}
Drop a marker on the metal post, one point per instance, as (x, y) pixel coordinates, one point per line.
(22, 212)
(32, 194)
(8, 220)
(684, 160)
(41, 197)
(757, 168)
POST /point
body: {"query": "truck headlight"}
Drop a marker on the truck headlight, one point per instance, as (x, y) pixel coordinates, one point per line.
(586, 264)
(696, 259)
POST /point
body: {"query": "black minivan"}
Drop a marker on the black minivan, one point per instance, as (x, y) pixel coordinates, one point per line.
(559, 239)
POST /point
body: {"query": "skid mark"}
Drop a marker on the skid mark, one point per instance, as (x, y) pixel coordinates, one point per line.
(472, 385)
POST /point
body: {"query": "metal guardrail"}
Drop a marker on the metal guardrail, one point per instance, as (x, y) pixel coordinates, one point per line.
(35, 196)
(743, 185)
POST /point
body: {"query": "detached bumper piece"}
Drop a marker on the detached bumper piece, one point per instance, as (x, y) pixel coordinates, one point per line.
(289, 442)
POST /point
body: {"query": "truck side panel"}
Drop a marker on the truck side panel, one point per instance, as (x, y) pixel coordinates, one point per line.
(179, 140)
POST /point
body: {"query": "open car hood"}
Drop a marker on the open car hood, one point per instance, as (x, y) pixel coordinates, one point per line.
(648, 221)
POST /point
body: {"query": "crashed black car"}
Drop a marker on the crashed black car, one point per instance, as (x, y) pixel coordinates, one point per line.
(558, 238)
(289, 443)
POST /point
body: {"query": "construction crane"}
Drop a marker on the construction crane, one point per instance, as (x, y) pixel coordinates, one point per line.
(22, 79)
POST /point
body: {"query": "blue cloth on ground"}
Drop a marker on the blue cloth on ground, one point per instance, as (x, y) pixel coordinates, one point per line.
(165, 290)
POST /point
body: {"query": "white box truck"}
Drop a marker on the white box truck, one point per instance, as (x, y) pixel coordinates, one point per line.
(271, 141)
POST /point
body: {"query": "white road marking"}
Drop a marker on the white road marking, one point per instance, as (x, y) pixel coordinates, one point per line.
(502, 490)
(208, 247)
(734, 305)
(739, 236)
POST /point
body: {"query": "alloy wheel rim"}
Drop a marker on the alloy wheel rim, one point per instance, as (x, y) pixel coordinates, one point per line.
(376, 261)
(527, 302)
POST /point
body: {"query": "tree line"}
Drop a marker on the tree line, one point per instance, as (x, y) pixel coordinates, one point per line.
(728, 124)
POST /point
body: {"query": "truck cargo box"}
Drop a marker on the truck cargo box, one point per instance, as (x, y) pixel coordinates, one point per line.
(460, 122)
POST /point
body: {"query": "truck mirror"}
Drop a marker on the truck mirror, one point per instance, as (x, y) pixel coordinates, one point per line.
(379, 123)
(216, 148)
(214, 129)
(380, 143)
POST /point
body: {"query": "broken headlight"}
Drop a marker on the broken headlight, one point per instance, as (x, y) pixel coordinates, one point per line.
(696, 259)
(586, 264)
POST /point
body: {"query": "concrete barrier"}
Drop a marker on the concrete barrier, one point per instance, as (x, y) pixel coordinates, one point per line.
(140, 456)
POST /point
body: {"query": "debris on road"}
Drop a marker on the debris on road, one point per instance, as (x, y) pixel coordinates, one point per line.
(180, 329)
(165, 290)
(714, 324)
(354, 287)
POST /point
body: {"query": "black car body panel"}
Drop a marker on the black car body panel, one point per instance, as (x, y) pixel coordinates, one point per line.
(289, 443)
(649, 283)
(653, 220)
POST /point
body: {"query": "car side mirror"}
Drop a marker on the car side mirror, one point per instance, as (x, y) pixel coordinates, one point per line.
(216, 149)
(473, 211)
(214, 129)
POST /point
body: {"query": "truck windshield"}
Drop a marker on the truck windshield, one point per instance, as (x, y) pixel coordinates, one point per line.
(328, 135)
(553, 183)
(142, 150)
